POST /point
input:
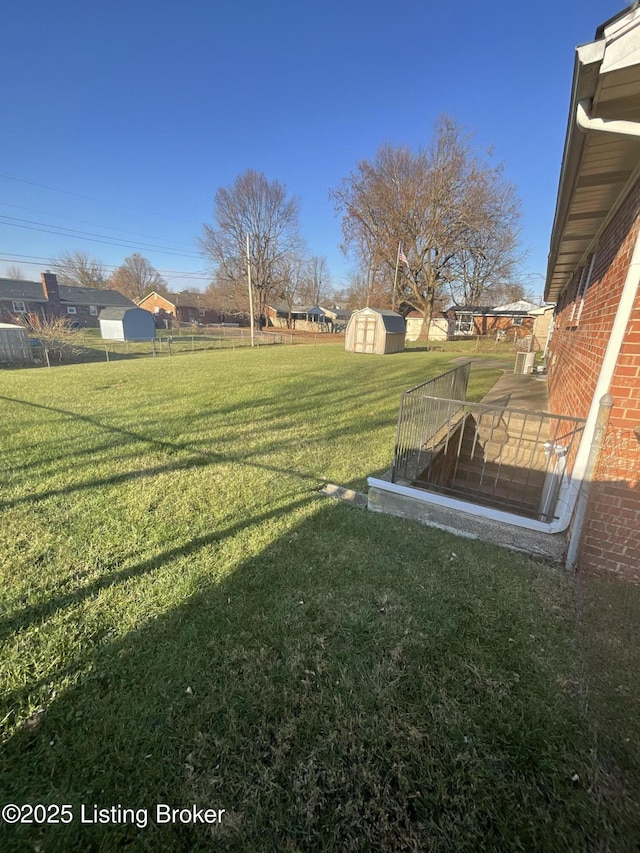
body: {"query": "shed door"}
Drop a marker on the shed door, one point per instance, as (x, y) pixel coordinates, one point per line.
(365, 334)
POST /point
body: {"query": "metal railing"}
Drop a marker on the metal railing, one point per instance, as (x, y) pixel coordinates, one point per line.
(419, 422)
(492, 455)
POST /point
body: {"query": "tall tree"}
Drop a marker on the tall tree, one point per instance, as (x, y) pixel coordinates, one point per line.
(261, 209)
(136, 277)
(77, 269)
(431, 210)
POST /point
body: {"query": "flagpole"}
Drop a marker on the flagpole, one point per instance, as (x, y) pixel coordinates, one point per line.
(395, 280)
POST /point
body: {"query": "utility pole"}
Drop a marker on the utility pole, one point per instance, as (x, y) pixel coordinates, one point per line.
(250, 290)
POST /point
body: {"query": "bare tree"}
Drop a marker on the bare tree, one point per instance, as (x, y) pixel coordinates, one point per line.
(14, 272)
(292, 278)
(77, 269)
(485, 268)
(315, 285)
(430, 210)
(136, 277)
(254, 206)
(57, 336)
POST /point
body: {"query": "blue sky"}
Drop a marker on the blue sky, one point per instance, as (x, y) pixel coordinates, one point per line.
(122, 120)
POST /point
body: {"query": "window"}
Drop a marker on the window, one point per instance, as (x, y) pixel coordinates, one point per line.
(464, 324)
(517, 321)
(93, 310)
(201, 312)
(71, 309)
(19, 306)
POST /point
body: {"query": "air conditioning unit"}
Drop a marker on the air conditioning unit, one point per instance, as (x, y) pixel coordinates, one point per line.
(524, 362)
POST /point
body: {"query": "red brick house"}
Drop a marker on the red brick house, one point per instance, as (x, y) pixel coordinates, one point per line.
(593, 275)
(22, 300)
(511, 321)
(180, 308)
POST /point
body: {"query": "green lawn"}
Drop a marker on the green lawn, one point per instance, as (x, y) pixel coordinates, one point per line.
(185, 620)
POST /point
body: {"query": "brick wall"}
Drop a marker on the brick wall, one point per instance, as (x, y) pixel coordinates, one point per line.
(489, 325)
(584, 323)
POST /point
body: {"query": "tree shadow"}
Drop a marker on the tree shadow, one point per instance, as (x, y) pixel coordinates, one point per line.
(329, 693)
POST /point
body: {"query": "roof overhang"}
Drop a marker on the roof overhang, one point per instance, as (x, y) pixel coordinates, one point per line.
(598, 166)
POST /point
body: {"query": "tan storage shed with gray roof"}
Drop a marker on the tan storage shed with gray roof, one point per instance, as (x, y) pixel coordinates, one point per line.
(376, 331)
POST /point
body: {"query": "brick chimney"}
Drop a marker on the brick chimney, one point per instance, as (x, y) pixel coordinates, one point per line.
(51, 294)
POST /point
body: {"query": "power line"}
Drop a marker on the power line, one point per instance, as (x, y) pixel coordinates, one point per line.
(92, 198)
(82, 221)
(39, 261)
(60, 231)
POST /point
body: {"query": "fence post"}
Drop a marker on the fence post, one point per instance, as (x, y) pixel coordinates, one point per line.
(604, 411)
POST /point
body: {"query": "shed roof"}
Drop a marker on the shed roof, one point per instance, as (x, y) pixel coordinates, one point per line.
(393, 322)
(118, 313)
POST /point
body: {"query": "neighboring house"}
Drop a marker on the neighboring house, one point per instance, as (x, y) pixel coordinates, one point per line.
(180, 308)
(512, 321)
(542, 327)
(593, 274)
(307, 318)
(376, 331)
(22, 300)
(414, 321)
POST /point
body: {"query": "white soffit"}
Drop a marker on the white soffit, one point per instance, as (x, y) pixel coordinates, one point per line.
(597, 166)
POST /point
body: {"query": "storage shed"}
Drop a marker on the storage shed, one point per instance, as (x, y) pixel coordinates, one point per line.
(14, 344)
(374, 330)
(127, 324)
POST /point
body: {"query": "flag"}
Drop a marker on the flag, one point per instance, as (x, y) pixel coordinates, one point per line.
(402, 257)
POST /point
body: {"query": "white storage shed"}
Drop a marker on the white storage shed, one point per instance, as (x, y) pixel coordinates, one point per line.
(375, 330)
(14, 344)
(127, 324)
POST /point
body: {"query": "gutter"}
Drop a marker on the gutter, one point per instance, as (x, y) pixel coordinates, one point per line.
(585, 122)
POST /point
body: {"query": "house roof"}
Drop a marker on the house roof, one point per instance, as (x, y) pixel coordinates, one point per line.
(285, 307)
(187, 300)
(92, 296)
(27, 291)
(598, 166)
(31, 291)
(513, 309)
(542, 309)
